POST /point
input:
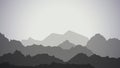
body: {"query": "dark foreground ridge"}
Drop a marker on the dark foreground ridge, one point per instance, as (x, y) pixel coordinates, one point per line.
(53, 65)
(18, 60)
(96, 61)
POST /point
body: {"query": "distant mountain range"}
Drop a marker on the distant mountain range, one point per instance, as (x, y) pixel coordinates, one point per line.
(55, 39)
(66, 49)
(98, 52)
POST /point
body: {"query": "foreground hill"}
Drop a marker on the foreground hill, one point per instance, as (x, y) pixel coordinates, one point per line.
(17, 58)
(53, 65)
(96, 61)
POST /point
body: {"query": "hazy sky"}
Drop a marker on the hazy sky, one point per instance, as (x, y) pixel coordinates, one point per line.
(20, 19)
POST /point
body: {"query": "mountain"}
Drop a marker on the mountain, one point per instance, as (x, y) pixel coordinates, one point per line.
(79, 59)
(4, 45)
(100, 46)
(66, 45)
(17, 58)
(58, 52)
(56, 39)
(16, 45)
(30, 41)
(81, 49)
(11, 46)
(53, 40)
(76, 38)
(114, 47)
(96, 61)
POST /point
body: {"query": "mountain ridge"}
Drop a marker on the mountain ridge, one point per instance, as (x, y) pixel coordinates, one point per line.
(66, 45)
(100, 46)
(64, 54)
(55, 39)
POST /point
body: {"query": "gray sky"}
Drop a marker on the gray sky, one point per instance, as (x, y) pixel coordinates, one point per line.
(20, 19)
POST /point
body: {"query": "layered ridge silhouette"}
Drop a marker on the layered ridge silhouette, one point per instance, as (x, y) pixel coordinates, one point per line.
(55, 39)
(98, 53)
(18, 60)
(97, 44)
(33, 50)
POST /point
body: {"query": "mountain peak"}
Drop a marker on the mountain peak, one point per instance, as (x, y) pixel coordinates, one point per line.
(55, 39)
(98, 44)
(76, 38)
(66, 41)
(30, 41)
(66, 45)
(3, 38)
(99, 36)
(69, 32)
